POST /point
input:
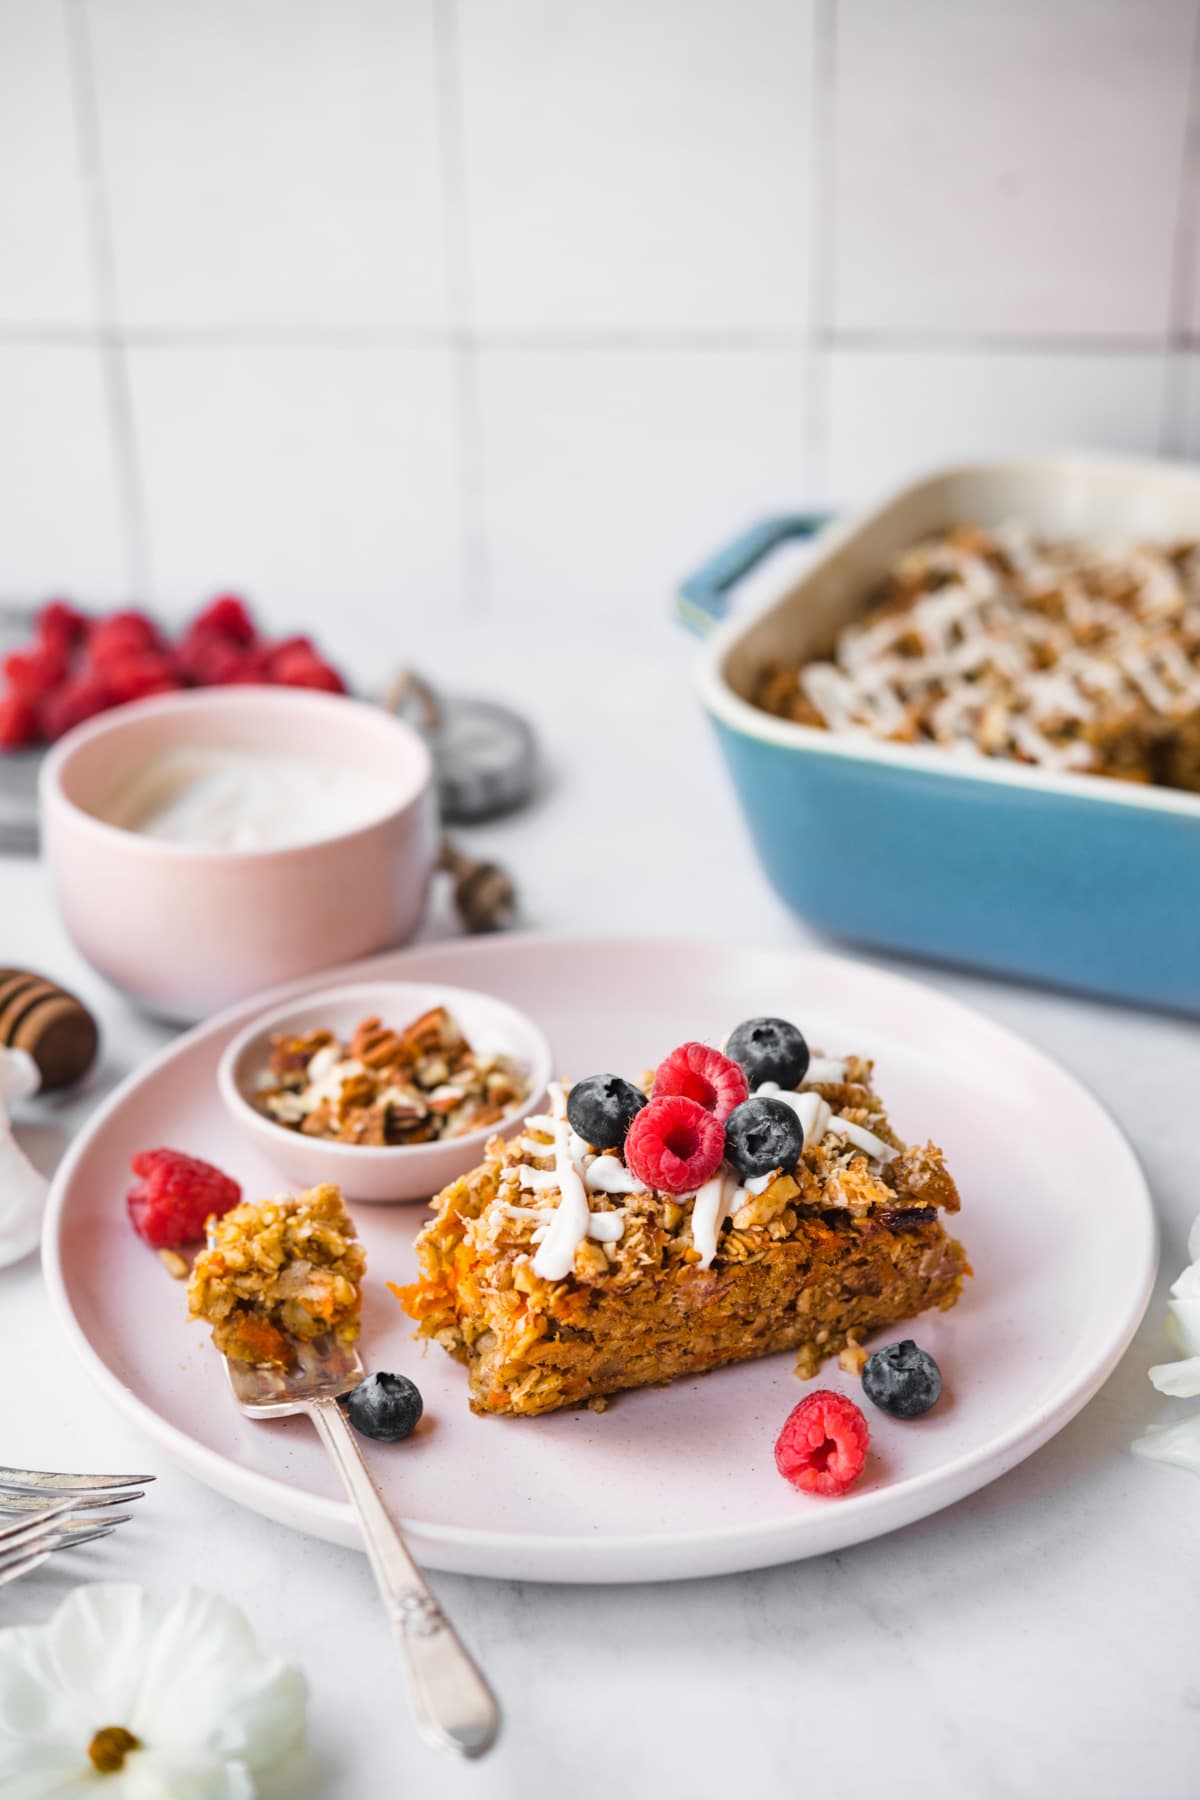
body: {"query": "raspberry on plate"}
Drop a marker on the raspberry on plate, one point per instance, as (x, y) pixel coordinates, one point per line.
(18, 722)
(140, 672)
(211, 660)
(700, 1073)
(823, 1445)
(79, 698)
(227, 616)
(674, 1144)
(121, 634)
(58, 622)
(175, 1196)
(298, 665)
(36, 671)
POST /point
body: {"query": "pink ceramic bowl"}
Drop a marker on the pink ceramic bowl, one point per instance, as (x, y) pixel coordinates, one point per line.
(186, 930)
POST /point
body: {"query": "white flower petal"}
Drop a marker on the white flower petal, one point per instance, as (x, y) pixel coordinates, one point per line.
(267, 1719)
(20, 1077)
(1183, 1325)
(1178, 1443)
(44, 1772)
(1187, 1286)
(208, 1706)
(207, 1684)
(1179, 1379)
(157, 1774)
(59, 1683)
(98, 1640)
(1194, 1239)
(22, 1195)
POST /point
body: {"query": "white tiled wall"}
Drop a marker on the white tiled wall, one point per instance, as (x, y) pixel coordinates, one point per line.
(376, 308)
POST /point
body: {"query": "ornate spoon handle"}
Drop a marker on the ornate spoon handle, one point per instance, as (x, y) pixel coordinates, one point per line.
(454, 1706)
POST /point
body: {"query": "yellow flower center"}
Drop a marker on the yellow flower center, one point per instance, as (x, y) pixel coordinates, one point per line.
(109, 1748)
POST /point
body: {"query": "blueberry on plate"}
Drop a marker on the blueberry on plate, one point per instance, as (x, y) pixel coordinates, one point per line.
(602, 1108)
(769, 1050)
(902, 1379)
(763, 1134)
(385, 1407)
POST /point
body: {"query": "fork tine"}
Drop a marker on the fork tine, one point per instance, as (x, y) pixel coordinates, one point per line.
(31, 1525)
(16, 1565)
(55, 1534)
(28, 1503)
(14, 1571)
(45, 1481)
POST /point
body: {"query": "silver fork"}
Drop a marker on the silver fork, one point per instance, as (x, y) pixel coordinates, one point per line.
(52, 1513)
(454, 1707)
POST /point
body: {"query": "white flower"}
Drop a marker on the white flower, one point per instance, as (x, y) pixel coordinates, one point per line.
(1179, 1443)
(117, 1699)
(22, 1187)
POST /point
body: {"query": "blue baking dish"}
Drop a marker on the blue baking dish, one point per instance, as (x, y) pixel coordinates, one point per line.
(1072, 880)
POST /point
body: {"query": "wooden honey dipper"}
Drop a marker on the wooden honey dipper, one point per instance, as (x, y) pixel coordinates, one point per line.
(49, 1024)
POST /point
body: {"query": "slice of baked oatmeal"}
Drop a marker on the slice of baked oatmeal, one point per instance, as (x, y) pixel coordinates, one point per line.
(280, 1270)
(558, 1276)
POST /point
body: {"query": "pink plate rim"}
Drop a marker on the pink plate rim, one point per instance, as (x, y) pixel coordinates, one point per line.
(644, 1556)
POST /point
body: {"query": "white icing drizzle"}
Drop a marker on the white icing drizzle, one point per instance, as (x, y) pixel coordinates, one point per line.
(569, 1224)
(712, 1206)
(586, 1174)
(864, 1139)
(605, 1228)
(813, 1113)
(825, 1068)
(1017, 660)
(819, 1120)
(608, 1175)
(537, 1180)
(577, 1172)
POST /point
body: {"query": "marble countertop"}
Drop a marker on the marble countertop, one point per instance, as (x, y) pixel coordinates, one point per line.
(1035, 1639)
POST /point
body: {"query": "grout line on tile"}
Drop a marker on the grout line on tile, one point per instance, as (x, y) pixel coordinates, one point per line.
(130, 486)
(1001, 343)
(464, 359)
(557, 340)
(1183, 262)
(823, 141)
(822, 245)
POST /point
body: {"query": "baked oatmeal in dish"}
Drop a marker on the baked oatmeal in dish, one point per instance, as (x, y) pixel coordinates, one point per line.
(726, 1207)
(280, 1270)
(1077, 656)
(388, 1087)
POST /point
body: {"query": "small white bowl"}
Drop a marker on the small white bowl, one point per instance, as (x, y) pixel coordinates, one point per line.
(390, 1171)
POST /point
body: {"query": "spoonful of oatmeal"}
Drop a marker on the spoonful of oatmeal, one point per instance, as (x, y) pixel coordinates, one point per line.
(280, 1282)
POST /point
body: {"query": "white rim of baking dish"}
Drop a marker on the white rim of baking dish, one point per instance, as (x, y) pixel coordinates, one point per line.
(751, 721)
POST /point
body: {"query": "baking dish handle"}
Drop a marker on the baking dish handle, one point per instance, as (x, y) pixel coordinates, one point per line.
(703, 598)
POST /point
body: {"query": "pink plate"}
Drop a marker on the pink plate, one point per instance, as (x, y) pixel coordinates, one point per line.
(674, 1481)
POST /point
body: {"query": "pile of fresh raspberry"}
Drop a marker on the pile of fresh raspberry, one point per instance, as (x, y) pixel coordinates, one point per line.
(77, 665)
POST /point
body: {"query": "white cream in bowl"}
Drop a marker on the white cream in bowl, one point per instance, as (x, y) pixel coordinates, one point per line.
(231, 799)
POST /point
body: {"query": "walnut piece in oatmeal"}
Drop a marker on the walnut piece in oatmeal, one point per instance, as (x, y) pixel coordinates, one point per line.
(279, 1270)
(388, 1087)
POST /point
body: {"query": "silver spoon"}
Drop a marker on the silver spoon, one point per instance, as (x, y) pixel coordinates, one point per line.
(454, 1707)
